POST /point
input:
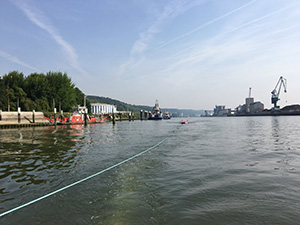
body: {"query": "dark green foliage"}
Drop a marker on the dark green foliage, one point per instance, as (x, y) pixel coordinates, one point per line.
(62, 90)
(38, 92)
(36, 85)
(80, 98)
(41, 104)
(12, 92)
(2, 94)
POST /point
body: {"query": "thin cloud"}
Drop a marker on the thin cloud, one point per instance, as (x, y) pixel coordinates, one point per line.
(196, 53)
(16, 60)
(205, 25)
(39, 19)
(170, 12)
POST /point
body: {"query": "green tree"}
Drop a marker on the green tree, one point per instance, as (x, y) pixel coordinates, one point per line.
(14, 83)
(42, 104)
(79, 95)
(61, 89)
(3, 95)
(37, 91)
(36, 86)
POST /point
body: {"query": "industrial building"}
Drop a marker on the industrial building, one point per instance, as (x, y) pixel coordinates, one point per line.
(220, 110)
(250, 107)
(101, 108)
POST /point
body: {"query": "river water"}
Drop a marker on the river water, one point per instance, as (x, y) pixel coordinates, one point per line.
(242, 170)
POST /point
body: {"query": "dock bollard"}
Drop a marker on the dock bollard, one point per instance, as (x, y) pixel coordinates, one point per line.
(114, 119)
(33, 118)
(19, 114)
(55, 117)
(85, 117)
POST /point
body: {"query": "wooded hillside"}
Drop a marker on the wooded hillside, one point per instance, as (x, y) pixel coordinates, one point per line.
(121, 106)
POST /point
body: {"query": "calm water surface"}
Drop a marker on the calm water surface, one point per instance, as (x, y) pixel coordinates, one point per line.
(210, 171)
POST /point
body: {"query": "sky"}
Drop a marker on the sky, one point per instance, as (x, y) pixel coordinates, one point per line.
(188, 54)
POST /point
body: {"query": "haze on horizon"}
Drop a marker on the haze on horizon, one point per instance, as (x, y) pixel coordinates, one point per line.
(188, 54)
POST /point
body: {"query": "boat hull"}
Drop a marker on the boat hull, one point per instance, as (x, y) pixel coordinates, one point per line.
(184, 122)
(66, 121)
(155, 118)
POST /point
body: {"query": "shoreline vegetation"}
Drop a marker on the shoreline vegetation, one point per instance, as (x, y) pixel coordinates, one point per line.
(39, 92)
(44, 92)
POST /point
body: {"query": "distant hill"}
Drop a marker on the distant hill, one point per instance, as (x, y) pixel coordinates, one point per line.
(122, 106)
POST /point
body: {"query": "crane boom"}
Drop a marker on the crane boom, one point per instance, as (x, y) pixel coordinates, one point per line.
(275, 93)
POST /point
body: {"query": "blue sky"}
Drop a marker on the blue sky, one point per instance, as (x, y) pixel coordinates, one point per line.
(191, 54)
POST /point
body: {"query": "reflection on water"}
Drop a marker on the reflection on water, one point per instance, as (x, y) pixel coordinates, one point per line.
(34, 156)
(46, 159)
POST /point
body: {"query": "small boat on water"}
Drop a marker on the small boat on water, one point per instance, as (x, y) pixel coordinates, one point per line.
(184, 122)
(77, 117)
(166, 115)
(156, 113)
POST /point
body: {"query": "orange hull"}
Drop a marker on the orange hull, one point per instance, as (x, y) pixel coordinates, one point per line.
(75, 120)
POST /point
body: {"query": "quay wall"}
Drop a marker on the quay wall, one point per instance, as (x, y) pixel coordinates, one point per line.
(22, 118)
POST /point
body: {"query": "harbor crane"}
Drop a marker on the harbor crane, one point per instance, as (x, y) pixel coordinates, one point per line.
(275, 93)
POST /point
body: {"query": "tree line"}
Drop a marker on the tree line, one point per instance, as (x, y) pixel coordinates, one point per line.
(39, 92)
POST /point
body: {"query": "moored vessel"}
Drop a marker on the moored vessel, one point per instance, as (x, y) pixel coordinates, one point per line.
(156, 113)
(166, 115)
(77, 117)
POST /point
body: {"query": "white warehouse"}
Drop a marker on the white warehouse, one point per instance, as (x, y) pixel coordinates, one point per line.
(101, 108)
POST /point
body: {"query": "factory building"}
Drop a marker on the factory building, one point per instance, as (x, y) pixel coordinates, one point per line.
(248, 101)
(101, 108)
(250, 106)
(220, 110)
(256, 107)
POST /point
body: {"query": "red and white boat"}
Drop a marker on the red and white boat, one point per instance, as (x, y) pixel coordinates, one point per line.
(184, 122)
(77, 117)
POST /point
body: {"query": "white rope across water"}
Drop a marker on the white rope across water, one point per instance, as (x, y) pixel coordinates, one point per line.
(80, 181)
